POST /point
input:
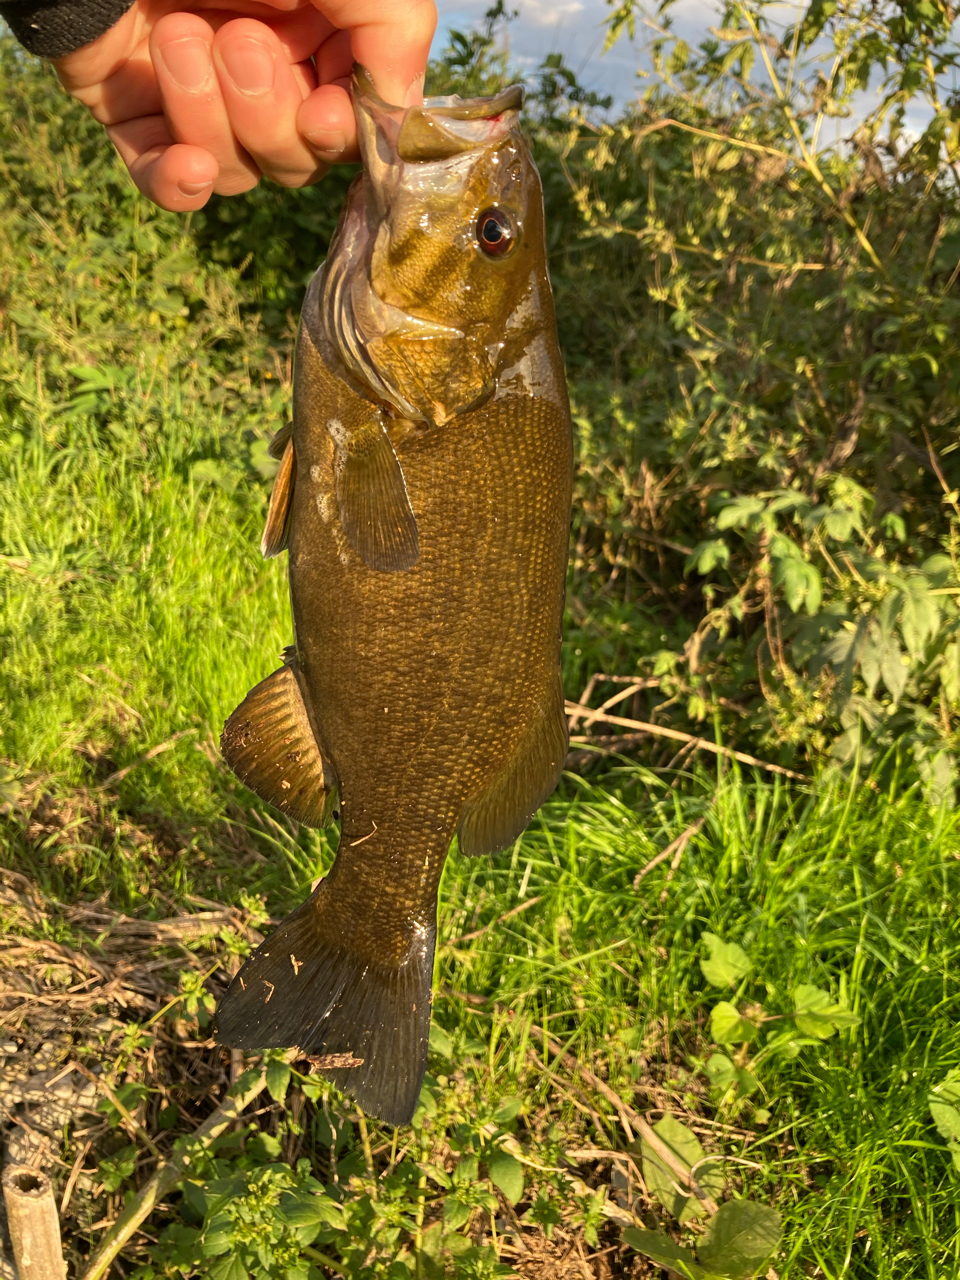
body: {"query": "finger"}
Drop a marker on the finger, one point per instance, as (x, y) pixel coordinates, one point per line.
(182, 49)
(262, 97)
(391, 38)
(327, 122)
(174, 176)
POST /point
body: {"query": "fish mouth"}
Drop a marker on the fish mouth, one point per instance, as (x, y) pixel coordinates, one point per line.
(439, 143)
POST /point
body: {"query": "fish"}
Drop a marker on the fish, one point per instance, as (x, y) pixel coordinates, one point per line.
(423, 496)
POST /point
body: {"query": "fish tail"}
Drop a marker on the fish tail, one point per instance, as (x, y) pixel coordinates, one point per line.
(367, 1021)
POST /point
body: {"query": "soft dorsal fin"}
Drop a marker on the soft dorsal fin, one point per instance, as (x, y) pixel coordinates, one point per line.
(277, 529)
(269, 744)
(492, 820)
(375, 512)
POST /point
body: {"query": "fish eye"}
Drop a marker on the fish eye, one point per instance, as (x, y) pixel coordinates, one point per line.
(496, 232)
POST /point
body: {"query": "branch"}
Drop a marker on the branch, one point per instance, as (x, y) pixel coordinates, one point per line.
(168, 1175)
(704, 744)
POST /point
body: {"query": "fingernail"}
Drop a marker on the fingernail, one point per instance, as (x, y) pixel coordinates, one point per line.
(187, 62)
(249, 64)
(193, 188)
(332, 141)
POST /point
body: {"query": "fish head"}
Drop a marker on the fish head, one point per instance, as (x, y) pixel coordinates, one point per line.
(440, 242)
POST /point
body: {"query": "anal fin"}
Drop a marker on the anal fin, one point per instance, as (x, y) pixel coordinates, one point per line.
(269, 744)
(375, 512)
(277, 529)
(492, 820)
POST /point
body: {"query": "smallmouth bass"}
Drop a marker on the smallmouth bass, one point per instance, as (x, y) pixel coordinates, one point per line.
(424, 498)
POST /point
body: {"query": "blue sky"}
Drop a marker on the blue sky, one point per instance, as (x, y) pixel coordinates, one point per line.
(575, 29)
(571, 27)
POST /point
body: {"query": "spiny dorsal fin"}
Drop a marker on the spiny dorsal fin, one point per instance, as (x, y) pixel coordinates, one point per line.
(277, 529)
(278, 445)
(375, 512)
(269, 745)
(492, 820)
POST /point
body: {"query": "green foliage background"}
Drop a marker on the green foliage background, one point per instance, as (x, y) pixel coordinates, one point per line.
(761, 338)
(760, 332)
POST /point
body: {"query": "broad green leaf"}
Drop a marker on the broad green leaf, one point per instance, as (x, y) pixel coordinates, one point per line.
(664, 1252)
(944, 1103)
(707, 555)
(506, 1174)
(728, 1027)
(728, 963)
(817, 1015)
(278, 1079)
(740, 1238)
(661, 1180)
(508, 1110)
(739, 513)
(723, 1075)
(455, 1212)
(217, 1236)
(466, 1171)
(230, 1268)
(440, 1042)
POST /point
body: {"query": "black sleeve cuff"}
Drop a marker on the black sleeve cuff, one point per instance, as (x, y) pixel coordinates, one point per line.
(53, 28)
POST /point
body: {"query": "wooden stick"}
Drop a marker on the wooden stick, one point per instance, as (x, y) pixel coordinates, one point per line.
(168, 1175)
(34, 1225)
(514, 911)
(677, 845)
(704, 744)
(636, 1121)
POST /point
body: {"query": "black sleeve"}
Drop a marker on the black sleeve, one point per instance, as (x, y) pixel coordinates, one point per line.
(52, 28)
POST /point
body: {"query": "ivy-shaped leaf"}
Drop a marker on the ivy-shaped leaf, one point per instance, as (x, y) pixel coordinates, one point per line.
(816, 1014)
(727, 963)
(728, 1026)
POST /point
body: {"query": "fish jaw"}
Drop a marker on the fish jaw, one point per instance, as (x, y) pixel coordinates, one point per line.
(414, 306)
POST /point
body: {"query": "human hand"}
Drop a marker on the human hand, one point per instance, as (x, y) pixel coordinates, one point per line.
(211, 99)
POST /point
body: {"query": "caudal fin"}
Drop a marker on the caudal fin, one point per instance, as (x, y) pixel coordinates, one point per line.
(303, 987)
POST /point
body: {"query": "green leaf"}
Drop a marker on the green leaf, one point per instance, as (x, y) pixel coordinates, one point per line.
(728, 1027)
(740, 1238)
(662, 1182)
(229, 1269)
(278, 1079)
(466, 1172)
(944, 1103)
(740, 513)
(664, 1252)
(707, 555)
(440, 1043)
(508, 1110)
(455, 1212)
(724, 1075)
(817, 1015)
(216, 472)
(506, 1174)
(727, 964)
(264, 1147)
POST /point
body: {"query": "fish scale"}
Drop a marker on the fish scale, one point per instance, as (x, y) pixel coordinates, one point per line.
(422, 696)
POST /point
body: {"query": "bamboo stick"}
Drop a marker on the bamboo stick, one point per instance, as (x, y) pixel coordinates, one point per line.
(33, 1222)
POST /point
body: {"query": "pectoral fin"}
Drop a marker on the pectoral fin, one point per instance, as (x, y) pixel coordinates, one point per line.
(277, 529)
(375, 512)
(269, 744)
(492, 820)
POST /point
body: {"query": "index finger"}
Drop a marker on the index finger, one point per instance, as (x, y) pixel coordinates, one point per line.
(391, 39)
